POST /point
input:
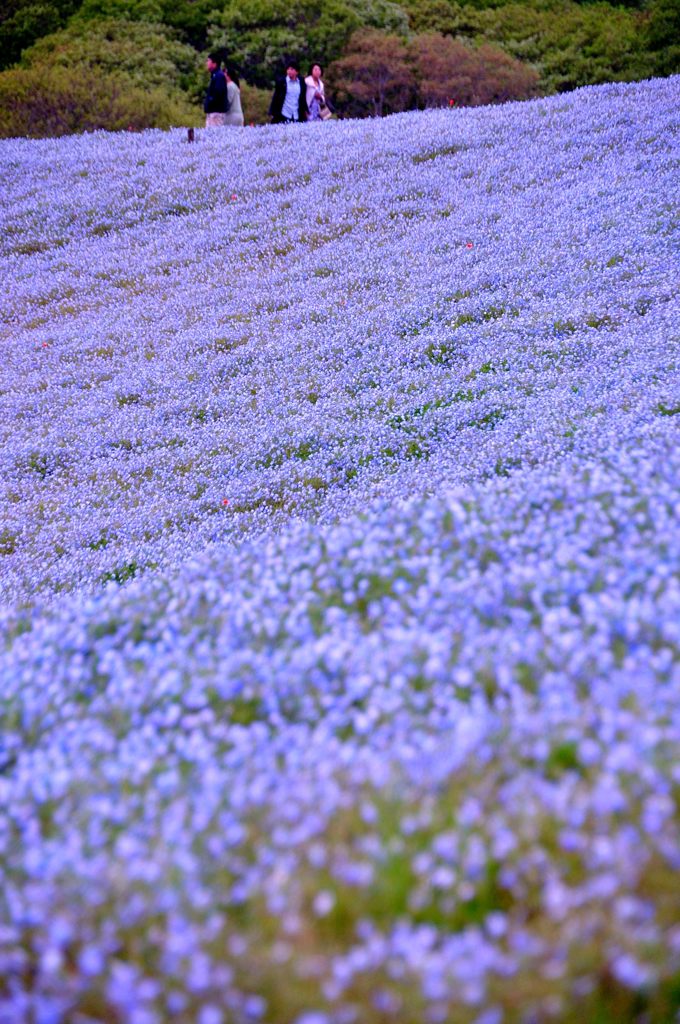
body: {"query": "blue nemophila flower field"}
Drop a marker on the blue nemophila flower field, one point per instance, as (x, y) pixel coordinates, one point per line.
(339, 557)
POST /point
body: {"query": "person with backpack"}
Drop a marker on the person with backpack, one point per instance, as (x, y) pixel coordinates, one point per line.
(215, 103)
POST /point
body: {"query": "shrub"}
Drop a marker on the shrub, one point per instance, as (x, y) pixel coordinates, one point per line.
(374, 77)
(570, 44)
(130, 10)
(22, 22)
(380, 75)
(41, 102)
(662, 36)
(447, 69)
(255, 103)
(147, 55)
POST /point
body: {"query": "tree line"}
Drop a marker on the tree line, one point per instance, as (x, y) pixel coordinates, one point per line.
(74, 65)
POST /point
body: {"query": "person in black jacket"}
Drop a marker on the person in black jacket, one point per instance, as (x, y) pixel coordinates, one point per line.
(289, 102)
(215, 103)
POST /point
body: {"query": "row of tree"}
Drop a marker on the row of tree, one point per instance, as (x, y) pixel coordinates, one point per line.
(381, 75)
(72, 65)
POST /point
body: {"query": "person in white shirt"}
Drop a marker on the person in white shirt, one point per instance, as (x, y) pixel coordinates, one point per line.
(289, 102)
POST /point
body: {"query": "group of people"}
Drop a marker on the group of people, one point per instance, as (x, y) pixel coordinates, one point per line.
(294, 99)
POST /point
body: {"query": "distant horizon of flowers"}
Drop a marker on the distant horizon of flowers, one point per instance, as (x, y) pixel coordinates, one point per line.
(339, 569)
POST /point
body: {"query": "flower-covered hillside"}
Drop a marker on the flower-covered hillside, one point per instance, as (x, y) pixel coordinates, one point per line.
(383, 419)
(297, 322)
